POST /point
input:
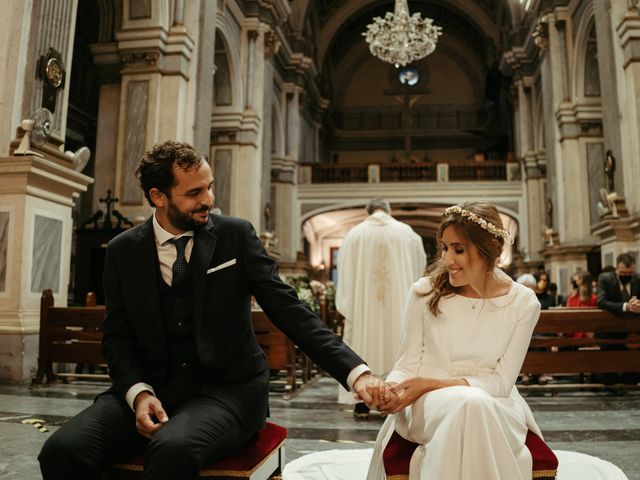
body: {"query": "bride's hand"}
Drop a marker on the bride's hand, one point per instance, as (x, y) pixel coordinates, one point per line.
(391, 402)
(410, 390)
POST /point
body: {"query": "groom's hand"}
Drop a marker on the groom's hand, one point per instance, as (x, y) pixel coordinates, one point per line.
(371, 390)
(150, 414)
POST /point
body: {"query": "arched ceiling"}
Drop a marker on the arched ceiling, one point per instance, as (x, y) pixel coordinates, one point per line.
(486, 19)
(473, 32)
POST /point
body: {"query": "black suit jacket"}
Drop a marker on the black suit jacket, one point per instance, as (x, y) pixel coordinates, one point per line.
(134, 343)
(609, 296)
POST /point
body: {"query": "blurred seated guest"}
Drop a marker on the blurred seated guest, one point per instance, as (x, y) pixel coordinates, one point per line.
(530, 282)
(583, 296)
(618, 292)
(541, 289)
(555, 300)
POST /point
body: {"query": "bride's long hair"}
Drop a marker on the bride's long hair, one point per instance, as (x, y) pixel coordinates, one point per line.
(489, 248)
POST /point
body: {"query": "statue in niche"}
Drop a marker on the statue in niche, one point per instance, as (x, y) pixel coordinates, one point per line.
(267, 217)
(549, 212)
(610, 169)
(268, 238)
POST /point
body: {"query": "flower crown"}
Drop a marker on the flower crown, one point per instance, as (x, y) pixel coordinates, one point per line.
(481, 222)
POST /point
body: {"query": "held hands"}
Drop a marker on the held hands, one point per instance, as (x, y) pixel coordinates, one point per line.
(372, 390)
(386, 397)
(149, 414)
(389, 398)
(633, 305)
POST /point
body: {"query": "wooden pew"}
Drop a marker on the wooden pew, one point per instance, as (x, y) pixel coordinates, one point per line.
(74, 335)
(553, 350)
(67, 335)
(279, 349)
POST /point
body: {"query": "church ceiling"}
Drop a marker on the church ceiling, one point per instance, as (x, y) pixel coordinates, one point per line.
(326, 8)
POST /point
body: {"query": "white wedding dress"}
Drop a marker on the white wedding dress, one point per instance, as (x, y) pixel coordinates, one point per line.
(475, 432)
(465, 432)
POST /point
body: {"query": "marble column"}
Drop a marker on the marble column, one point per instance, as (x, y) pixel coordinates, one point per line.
(36, 198)
(157, 96)
(15, 30)
(204, 75)
(618, 43)
(246, 170)
(107, 57)
(287, 215)
(610, 65)
(55, 27)
(270, 48)
(533, 174)
(36, 194)
(628, 32)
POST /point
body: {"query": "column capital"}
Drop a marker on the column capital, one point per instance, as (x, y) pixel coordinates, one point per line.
(41, 178)
(629, 33)
(155, 50)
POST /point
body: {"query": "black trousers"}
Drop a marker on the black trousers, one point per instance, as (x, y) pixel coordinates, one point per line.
(201, 429)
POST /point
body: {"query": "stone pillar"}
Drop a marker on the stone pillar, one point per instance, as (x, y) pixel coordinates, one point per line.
(54, 26)
(293, 120)
(204, 75)
(610, 65)
(533, 172)
(155, 91)
(628, 31)
(271, 46)
(36, 194)
(15, 30)
(246, 168)
(107, 57)
(287, 215)
(36, 198)
(572, 126)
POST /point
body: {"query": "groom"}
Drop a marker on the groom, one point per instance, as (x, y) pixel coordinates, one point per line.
(190, 383)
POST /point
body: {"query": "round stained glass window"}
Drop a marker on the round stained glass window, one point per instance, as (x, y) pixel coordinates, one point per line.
(409, 76)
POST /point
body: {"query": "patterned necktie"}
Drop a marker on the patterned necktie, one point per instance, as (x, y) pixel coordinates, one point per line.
(624, 293)
(179, 269)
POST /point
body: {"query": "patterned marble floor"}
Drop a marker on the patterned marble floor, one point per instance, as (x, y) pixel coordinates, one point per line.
(600, 424)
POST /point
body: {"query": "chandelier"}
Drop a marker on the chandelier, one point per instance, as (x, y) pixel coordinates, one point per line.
(401, 39)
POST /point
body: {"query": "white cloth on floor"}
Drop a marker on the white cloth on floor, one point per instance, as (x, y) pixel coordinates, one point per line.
(353, 465)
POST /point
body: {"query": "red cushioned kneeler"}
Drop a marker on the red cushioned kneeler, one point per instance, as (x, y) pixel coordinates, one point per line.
(397, 455)
(259, 459)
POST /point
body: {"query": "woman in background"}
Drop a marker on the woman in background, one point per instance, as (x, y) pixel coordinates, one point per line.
(583, 295)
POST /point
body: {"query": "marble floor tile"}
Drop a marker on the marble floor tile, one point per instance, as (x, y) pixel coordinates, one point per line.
(596, 423)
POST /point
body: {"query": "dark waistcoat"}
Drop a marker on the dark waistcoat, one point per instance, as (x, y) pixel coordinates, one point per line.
(176, 308)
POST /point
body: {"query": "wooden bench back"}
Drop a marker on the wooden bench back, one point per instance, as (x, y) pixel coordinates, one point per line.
(276, 345)
(554, 349)
(68, 335)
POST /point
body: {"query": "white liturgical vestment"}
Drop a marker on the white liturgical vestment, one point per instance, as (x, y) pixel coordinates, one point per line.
(378, 262)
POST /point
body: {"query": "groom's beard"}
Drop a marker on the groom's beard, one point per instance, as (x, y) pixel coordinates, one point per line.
(185, 221)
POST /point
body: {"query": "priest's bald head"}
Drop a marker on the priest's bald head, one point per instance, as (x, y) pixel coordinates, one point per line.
(377, 204)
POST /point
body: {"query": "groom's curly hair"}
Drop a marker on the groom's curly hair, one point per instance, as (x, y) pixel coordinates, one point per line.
(156, 166)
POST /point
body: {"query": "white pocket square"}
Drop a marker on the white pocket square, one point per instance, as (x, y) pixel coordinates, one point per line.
(221, 266)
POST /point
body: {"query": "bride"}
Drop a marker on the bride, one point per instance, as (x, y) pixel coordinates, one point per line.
(467, 330)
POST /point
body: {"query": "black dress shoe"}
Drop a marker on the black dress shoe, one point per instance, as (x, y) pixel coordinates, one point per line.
(361, 410)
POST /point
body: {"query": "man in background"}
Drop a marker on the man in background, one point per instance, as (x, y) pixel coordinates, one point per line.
(378, 262)
(618, 291)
